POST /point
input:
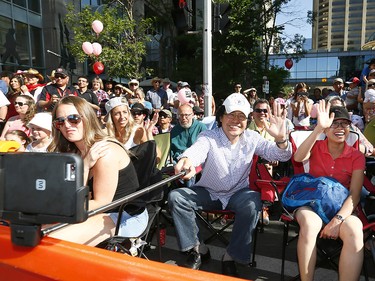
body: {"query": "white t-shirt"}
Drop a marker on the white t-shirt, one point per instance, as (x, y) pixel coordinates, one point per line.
(3, 99)
(369, 95)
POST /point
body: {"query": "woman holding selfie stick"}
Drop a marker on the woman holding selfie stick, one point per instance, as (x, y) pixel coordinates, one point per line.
(108, 170)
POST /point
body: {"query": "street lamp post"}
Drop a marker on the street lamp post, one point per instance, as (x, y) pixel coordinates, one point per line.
(266, 86)
(207, 57)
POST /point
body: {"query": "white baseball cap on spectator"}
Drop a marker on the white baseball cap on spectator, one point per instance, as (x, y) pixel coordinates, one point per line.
(237, 102)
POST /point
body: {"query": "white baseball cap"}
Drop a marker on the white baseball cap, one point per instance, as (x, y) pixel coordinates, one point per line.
(114, 102)
(237, 102)
(42, 120)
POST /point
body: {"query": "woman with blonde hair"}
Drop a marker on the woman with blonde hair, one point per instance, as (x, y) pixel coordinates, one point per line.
(108, 170)
(120, 124)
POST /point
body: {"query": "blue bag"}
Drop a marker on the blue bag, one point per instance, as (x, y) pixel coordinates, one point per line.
(324, 195)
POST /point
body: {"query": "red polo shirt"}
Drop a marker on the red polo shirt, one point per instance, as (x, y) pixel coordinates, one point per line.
(341, 168)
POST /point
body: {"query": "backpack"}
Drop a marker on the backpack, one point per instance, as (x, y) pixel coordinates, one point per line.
(324, 195)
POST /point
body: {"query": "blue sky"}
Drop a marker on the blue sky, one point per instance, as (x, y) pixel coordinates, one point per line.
(296, 10)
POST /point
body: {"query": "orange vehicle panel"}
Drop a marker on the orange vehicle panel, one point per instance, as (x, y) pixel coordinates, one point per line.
(54, 259)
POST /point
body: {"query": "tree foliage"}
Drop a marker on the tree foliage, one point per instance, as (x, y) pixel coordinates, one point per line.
(241, 54)
(123, 38)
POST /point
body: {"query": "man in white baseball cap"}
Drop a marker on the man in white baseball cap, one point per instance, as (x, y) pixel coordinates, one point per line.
(226, 155)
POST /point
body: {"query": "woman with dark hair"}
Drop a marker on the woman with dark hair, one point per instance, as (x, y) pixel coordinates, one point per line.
(332, 157)
(17, 88)
(299, 107)
(108, 170)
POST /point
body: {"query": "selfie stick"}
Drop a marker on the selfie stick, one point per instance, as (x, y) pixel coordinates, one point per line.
(118, 202)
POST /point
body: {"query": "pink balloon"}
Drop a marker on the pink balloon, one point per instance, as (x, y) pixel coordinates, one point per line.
(97, 48)
(97, 26)
(181, 95)
(87, 48)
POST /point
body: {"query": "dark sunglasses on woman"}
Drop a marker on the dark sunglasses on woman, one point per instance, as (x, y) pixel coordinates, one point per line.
(73, 119)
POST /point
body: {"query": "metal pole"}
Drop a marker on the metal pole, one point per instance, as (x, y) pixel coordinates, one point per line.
(207, 57)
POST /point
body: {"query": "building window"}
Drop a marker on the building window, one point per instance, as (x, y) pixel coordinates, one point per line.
(34, 5)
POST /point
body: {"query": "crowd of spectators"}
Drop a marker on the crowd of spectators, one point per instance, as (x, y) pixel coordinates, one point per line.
(102, 120)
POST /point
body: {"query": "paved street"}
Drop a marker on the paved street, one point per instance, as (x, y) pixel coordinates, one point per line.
(268, 256)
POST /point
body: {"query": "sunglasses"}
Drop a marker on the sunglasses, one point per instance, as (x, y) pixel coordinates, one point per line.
(163, 115)
(259, 110)
(20, 103)
(60, 76)
(136, 113)
(72, 119)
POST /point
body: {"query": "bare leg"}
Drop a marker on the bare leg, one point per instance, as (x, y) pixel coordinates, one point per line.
(91, 232)
(351, 257)
(310, 226)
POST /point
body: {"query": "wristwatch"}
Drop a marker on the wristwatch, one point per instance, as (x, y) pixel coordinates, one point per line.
(340, 218)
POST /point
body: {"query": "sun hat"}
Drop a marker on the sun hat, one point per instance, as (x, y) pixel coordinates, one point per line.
(237, 102)
(156, 79)
(33, 72)
(165, 112)
(338, 80)
(133, 81)
(184, 84)
(52, 76)
(42, 120)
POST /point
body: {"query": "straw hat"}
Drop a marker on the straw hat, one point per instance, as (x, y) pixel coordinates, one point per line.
(34, 72)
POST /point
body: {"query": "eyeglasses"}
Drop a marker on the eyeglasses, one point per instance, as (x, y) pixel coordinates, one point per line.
(73, 119)
(185, 115)
(260, 110)
(342, 124)
(20, 103)
(240, 117)
(60, 76)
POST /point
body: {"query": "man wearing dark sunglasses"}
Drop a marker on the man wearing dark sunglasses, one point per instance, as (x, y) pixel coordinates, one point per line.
(258, 124)
(54, 92)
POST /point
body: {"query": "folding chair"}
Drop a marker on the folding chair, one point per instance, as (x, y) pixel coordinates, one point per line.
(163, 141)
(143, 157)
(227, 217)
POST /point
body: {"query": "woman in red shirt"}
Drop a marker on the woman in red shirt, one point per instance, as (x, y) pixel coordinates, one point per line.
(334, 158)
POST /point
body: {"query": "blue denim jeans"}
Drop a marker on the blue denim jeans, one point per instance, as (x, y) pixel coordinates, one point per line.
(245, 203)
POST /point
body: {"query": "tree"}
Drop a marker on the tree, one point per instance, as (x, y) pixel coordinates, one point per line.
(123, 38)
(242, 53)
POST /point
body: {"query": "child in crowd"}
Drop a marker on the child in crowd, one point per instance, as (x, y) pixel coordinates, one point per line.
(20, 137)
(40, 128)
